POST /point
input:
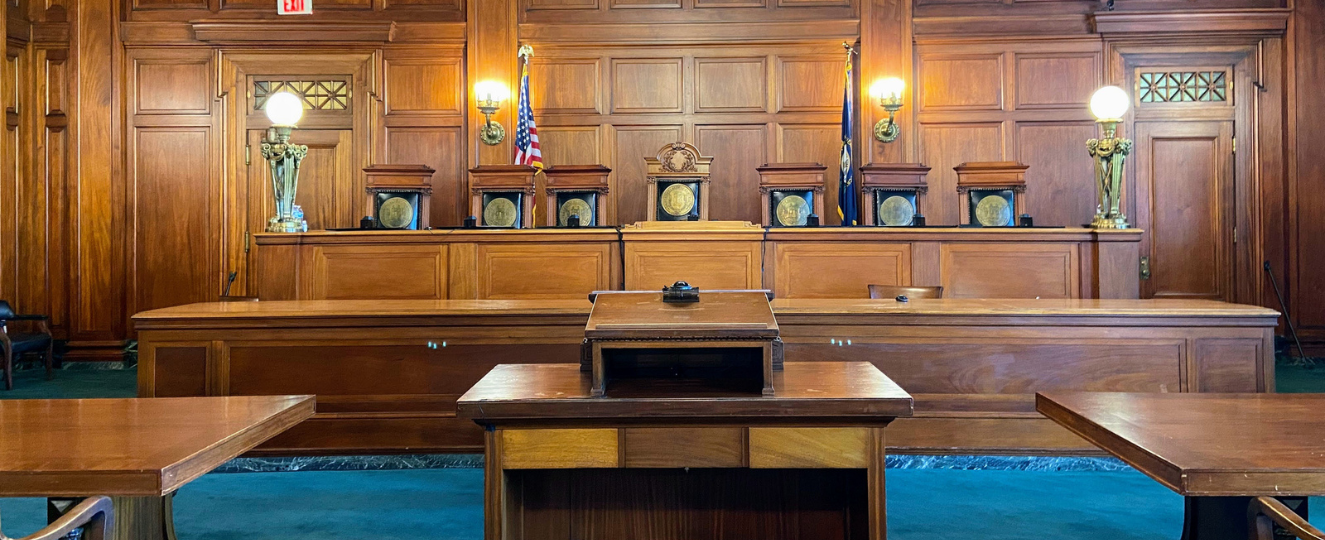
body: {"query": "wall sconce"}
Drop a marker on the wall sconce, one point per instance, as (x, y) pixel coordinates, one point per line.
(1109, 104)
(284, 110)
(889, 93)
(490, 94)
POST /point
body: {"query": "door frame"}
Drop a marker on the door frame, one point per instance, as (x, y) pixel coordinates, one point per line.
(1245, 55)
(236, 66)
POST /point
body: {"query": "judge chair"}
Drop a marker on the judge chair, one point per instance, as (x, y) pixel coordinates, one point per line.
(14, 342)
(1265, 513)
(93, 516)
(897, 291)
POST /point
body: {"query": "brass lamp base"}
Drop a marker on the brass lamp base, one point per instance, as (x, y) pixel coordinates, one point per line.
(286, 226)
(1102, 222)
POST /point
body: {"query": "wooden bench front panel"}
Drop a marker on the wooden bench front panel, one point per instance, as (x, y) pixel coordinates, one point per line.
(385, 271)
(837, 270)
(1010, 270)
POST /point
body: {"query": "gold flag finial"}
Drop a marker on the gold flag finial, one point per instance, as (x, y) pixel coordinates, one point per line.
(847, 46)
(526, 52)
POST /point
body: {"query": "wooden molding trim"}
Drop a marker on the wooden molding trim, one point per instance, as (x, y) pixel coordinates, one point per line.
(18, 31)
(51, 33)
(1018, 25)
(1242, 21)
(284, 32)
(792, 31)
(144, 33)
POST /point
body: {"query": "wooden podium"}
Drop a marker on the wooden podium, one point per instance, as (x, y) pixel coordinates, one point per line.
(731, 337)
(673, 449)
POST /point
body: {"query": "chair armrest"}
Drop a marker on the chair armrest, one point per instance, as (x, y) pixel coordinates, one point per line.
(95, 515)
(43, 321)
(1266, 512)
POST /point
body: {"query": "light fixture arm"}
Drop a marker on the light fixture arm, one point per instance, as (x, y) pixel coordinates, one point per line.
(886, 131)
(492, 133)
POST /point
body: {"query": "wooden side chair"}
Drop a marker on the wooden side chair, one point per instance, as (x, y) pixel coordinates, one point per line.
(13, 342)
(94, 515)
(894, 291)
(1266, 512)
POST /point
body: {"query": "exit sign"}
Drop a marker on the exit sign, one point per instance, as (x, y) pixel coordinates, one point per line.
(294, 7)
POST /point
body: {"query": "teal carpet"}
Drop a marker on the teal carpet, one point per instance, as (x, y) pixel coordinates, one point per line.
(445, 504)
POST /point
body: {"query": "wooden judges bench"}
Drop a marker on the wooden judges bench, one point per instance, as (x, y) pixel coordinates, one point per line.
(387, 373)
(827, 262)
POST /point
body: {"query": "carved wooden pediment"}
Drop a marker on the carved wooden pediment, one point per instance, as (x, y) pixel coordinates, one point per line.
(678, 160)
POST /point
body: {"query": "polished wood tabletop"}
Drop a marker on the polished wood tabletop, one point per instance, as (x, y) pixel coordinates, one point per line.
(295, 309)
(802, 389)
(1205, 445)
(131, 447)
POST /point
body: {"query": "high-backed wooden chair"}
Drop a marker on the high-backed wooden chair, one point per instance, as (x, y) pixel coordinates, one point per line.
(15, 341)
(1266, 512)
(94, 515)
(894, 291)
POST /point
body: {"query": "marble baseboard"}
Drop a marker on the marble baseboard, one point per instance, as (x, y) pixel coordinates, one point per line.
(1008, 463)
(450, 461)
(28, 365)
(353, 463)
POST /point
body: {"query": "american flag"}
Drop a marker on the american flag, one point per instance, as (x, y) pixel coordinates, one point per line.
(526, 133)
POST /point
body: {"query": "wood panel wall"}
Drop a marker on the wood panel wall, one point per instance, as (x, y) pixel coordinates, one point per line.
(124, 186)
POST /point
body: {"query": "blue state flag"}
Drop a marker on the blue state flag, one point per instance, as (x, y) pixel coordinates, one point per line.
(846, 189)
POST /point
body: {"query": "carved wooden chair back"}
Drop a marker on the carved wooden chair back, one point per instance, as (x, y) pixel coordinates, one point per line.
(894, 291)
(94, 516)
(1266, 512)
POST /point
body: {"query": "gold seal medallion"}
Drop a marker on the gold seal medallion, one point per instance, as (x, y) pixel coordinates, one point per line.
(896, 211)
(575, 207)
(500, 212)
(792, 211)
(993, 211)
(395, 213)
(678, 200)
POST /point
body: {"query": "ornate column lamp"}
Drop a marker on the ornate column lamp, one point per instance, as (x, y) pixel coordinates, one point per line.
(1109, 104)
(489, 95)
(889, 93)
(284, 110)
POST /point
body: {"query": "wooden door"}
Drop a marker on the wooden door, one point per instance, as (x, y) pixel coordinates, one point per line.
(1185, 203)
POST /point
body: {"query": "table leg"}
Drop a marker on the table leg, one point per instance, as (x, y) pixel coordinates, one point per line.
(136, 518)
(1224, 518)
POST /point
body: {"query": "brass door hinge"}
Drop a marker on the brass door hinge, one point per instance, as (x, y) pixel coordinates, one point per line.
(1235, 145)
(1235, 235)
(1145, 267)
(248, 241)
(248, 151)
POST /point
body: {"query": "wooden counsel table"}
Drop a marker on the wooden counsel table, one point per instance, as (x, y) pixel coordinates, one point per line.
(1217, 450)
(138, 451)
(387, 372)
(807, 461)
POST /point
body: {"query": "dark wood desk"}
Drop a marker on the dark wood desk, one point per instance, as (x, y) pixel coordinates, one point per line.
(387, 373)
(138, 451)
(1217, 450)
(563, 465)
